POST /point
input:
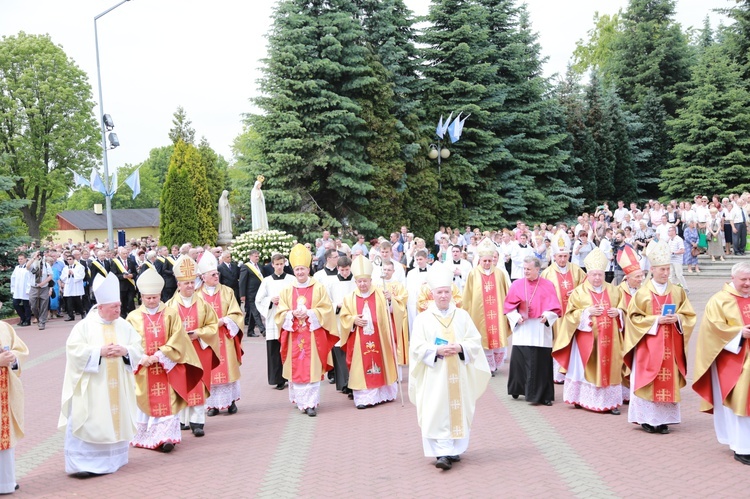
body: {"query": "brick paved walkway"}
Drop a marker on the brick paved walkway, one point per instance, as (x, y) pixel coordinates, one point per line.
(269, 449)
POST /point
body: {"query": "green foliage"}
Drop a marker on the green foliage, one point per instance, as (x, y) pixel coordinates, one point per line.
(597, 51)
(9, 243)
(243, 172)
(216, 175)
(652, 146)
(737, 36)
(182, 128)
(267, 242)
(179, 221)
(46, 123)
(712, 132)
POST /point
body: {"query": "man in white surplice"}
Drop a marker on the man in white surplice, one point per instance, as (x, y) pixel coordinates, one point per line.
(98, 400)
(448, 372)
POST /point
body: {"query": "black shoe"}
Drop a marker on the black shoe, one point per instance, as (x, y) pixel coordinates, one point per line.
(454, 459)
(212, 412)
(648, 428)
(331, 381)
(263, 334)
(515, 397)
(252, 334)
(577, 406)
(197, 429)
(443, 463)
(663, 429)
(167, 447)
(70, 319)
(743, 458)
(232, 408)
(615, 411)
(360, 406)
(184, 427)
(310, 411)
(83, 474)
(17, 485)
(281, 386)
(547, 403)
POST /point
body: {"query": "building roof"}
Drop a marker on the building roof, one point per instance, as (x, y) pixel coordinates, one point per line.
(121, 219)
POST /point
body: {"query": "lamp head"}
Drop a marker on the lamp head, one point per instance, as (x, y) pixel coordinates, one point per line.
(113, 140)
(109, 124)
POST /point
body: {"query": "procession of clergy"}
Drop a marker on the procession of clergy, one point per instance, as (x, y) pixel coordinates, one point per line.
(143, 380)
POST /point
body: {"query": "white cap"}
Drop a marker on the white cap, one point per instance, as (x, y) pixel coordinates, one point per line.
(439, 276)
(150, 282)
(106, 289)
(207, 263)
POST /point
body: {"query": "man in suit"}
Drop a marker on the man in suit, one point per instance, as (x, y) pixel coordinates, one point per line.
(164, 265)
(229, 273)
(98, 265)
(250, 279)
(125, 270)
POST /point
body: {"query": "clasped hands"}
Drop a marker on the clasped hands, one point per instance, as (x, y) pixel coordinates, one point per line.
(449, 349)
(597, 310)
(360, 321)
(745, 332)
(149, 360)
(113, 350)
(667, 319)
(7, 358)
(541, 319)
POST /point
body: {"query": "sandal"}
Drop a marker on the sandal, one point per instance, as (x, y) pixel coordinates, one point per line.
(697, 271)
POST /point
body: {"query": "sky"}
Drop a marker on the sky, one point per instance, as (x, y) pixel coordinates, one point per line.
(205, 56)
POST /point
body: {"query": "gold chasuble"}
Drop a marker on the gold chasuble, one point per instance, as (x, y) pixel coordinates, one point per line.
(370, 349)
(11, 390)
(304, 352)
(157, 392)
(200, 318)
(425, 297)
(725, 315)
(660, 359)
(483, 298)
(601, 347)
(445, 390)
(399, 318)
(564, 284)
(225, 304)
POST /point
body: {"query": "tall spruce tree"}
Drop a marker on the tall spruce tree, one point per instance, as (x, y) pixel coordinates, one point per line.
(598, 123)
(216, 176)
(651, 52)
(651, 143)
(737, 36)
(312, 133)
(11, 228)
(624, 178)
(179, 223)
(712, 131)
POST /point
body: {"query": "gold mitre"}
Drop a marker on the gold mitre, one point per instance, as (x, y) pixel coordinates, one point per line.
(439, 276)
(185, 269)
(596, 260)
(150, 282)
(208, 263)
(300, 256)
(486, 248)
(361, 267)
(658, 253)
(560, 243)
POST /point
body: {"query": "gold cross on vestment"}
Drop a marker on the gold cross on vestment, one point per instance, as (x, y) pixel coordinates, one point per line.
(155, 369)
(663, 395)
(566, 284)
(153, 346)
(188, 322)
(605, 341)
(457, 431)
(453, 378)
(667, 353)
(490, 300)
(491, 315)
(160, 410)
(606, 322)
(115, 409)
(113, 382)
(664, 374)
(154, 329)
(158, 389)
(194, 399)
(492, 329)
(489, 286)
(220, 378)
(455, 404)
(746, 313)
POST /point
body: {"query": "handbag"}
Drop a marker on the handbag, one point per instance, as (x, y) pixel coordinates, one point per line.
(702, 240)
(695, 251)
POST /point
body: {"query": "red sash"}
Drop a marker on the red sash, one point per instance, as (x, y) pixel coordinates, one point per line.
(728, 364)
(564, 284)
(189, 317)
(220, 374)
(157, 379)
(657, 354)
(604, 338)
(370, 346)
(5, 406)
(491, 311)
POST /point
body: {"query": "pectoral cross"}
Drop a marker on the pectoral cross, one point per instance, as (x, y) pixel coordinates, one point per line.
(158, 389)
(154, 329)
(566, 284)
(188, 322)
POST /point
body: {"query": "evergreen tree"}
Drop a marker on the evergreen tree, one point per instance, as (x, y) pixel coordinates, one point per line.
(243, 172)
(598, 123)
(596, 53)
(651, 144)
(624, 178)
(182, 127)
(712, 131)
(216, 175)
(737, 36)
(10, 228)
(650, 53)
(179, 222)
(312, 134)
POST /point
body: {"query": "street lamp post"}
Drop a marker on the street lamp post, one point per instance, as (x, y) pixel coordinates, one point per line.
(438, 152)
(107, 187)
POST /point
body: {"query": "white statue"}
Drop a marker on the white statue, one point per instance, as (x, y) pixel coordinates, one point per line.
(225, 219)
(258, 206)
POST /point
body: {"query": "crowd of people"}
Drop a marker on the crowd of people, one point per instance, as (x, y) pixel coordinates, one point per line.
(601, 307)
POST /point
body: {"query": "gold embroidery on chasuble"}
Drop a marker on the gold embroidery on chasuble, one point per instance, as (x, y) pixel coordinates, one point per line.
(113, 378)
(454, 379)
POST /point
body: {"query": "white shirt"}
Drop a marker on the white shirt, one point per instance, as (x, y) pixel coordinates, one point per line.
(736, 215)
(676, 244)
(620, 214)
(20, 282)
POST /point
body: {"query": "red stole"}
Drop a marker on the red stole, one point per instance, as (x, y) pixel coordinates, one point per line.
(490, 306)
(658, 354)
(564, 284)
(370, 347)
(220, 373)
(604, 340)
(157, 379)
(728, 364)
(301, 339)
(189, 316)
(5, 406)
